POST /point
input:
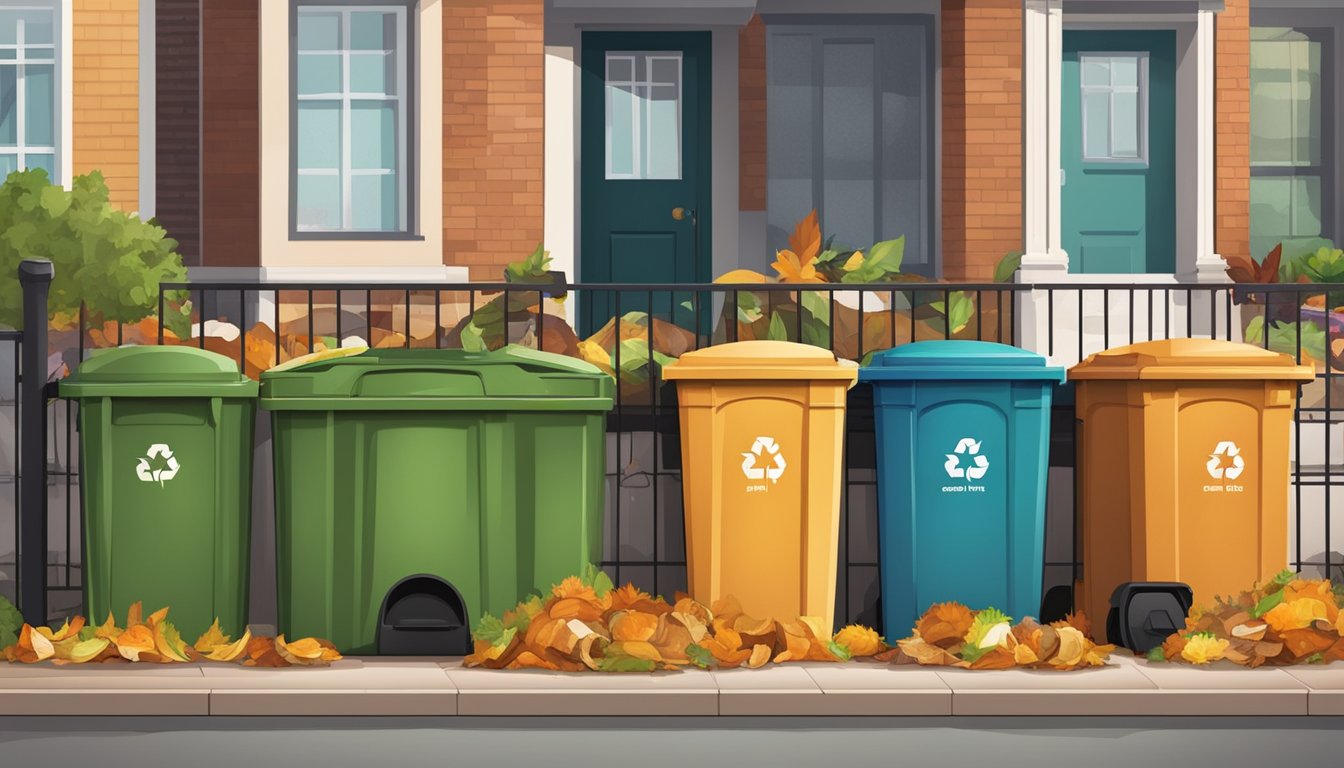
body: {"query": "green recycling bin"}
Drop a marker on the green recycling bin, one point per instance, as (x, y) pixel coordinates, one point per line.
(166, 483)
(417, 489)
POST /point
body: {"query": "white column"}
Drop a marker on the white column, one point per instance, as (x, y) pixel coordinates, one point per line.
(1044, 259)
(147, 127)
(1208, 266)
(561, 189)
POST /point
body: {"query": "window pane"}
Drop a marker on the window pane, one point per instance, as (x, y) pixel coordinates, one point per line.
(319, 202)
(373, 73)
(37, 27)
(373, 135)
(906, 143)
(1125, 71)
(9, 106)
(620, 131)
(1125, 128)
(1286, 93)
(319, 74)
(662, 139)
(847, 142)
(665, 71)
(1096, 124)
(1306, 206)
(44, 161)
(373, 31)
(9, 27)
(8, 164)
(1271, 200)
(39, 81)
(1307, 103)
(620, 69)
(374, 202)
(1096, 70)
(319, 31)
(320, 131)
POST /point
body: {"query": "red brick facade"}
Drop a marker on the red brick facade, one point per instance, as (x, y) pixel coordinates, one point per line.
(178, 123)
(1232, 132)
(751, 115)
(230, 162)
(493, 132)
(982, 135)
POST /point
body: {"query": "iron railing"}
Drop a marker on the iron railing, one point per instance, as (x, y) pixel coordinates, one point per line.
(644, 540)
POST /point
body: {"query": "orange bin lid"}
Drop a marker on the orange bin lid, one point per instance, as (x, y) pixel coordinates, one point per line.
(761, 360)
(1190, 360)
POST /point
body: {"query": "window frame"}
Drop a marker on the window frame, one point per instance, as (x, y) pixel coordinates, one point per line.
(1140, 88)
(409, 153)
(56, 148)
(812, 24)
(1324, 168)
(638, 159)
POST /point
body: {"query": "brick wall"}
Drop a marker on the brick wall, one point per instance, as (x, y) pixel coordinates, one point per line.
(230, 227)
(106, 88)
(178, 123)
(1232, 132)
(982, 135)
(493, 123)
(751, 115)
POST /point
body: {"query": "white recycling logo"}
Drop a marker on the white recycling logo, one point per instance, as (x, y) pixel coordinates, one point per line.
(166, 470)
(763, 446)
(971, 447)
(1217, 465)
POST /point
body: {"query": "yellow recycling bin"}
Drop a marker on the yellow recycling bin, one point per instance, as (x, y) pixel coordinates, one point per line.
(1183, 462)
(762, 431)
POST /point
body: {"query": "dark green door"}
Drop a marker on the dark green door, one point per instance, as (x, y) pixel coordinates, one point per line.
(645, 152)
(1118, 151)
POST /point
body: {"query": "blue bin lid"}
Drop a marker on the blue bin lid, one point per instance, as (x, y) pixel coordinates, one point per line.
(956, 360)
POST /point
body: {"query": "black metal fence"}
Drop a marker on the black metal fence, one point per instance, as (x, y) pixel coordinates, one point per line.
(633, 329)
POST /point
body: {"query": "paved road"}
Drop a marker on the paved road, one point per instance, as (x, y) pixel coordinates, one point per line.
(675, 742)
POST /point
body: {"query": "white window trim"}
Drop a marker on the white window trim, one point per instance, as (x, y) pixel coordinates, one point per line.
(347, 172)
(636, 83)
(61, 125)
(1140, 88)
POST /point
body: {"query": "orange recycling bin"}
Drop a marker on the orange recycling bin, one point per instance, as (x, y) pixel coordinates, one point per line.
(1183, 462)
(762, 431)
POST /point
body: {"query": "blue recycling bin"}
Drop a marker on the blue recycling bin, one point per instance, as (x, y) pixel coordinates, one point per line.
(963, 438)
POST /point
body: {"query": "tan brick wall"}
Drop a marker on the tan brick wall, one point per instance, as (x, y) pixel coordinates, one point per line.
(1232, 132)
(982, 135)
(493, 128)
(105, 95)
(230, 221)
(751, 115)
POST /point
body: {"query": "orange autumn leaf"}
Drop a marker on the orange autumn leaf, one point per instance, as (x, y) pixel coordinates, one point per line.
(135, 642)
(573, 587)
(945, 624)
(793, 268)
(805, 239)
(211, 638)
(633, 625)
(135, 614)
(108, 630)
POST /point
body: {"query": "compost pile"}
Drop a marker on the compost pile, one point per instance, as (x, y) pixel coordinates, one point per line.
(1287, 621)
(586, 624)
(154, 639)
(952, 635)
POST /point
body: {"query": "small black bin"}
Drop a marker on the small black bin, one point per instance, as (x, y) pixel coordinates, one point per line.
(423, 616)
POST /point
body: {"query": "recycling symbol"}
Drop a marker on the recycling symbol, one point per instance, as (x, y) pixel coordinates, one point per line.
(1225, 463)
(971, 447)
(164, 465)
(763, 446)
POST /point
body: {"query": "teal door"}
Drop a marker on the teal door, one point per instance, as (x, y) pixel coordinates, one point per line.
(1118, 151)
(645, 153)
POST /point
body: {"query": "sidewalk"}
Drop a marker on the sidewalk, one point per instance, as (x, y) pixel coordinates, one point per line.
(380, 686)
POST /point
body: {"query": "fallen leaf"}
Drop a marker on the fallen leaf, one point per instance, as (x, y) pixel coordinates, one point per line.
(945, 624)
(211, 639)
(760, 654)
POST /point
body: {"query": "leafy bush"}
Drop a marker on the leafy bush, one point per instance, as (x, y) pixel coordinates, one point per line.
(105, 258)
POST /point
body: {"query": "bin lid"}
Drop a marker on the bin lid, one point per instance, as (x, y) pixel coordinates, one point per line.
(956, 360)
(761, 360)
(157, 371)
(1188, 360)
(512, 378)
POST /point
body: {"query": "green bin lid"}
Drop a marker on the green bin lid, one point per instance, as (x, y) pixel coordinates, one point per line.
(956, 360)
(512, 378)
(157, 371)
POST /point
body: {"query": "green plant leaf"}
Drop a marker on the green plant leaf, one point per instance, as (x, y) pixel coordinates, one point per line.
(625, 664)
(11, 621)
(55, 200)
(748, 308)
(699, 656)
(1326, 265)
(473, 338)
(881, 261)
(840, 651)
(1316, 658)
(1283, 337)
(1156, 654)
(1255, 330)
(491, 630)
(1007, 267)
(777, 331)
(1284, 578)
(1267, 604)
(597, 579)
(826, 256)
(87, 632)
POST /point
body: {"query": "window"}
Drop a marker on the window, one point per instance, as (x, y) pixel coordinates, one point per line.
(849, 131)
(1291, 131)
(350, 120)
(28, 125)
(643, 95)
(1115, 106)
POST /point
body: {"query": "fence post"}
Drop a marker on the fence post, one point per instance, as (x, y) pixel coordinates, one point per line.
(35, 276)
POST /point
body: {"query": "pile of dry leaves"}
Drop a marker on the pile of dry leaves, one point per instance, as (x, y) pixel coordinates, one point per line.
(586, 624)
(952, 635)
(1287, 621)
(155, 639)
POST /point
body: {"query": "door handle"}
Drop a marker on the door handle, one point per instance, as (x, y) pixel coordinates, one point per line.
(681, 214)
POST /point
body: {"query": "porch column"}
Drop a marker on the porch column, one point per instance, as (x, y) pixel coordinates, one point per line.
(1044, 259)
(1208, 266)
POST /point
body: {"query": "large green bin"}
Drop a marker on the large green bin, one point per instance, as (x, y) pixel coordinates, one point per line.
(418, 489)
(166, 479)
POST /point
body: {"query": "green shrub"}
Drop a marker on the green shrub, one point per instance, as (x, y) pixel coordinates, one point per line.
(108, 259)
